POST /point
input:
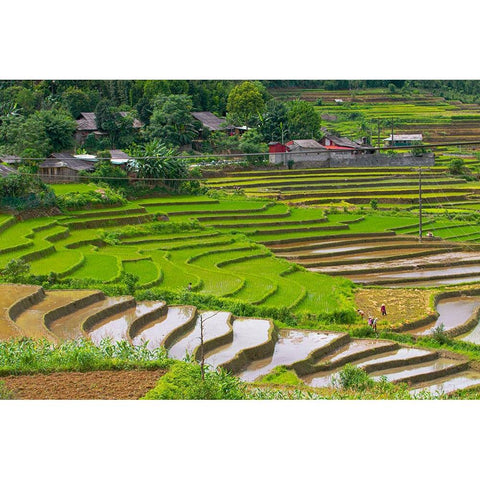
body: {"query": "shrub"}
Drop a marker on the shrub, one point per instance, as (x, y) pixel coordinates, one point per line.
(456, 166)
(373, 204)
(16, 270)
(131, 282)
(183, 382)
(109, 174)
(351, 377)
(439, 335)
(102, 196)
(282, 376)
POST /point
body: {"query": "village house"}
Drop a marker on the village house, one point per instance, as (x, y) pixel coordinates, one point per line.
(6, 170)
(295, 150)
(213, 123)
(403, 140)
(11, 160)
(119, 158)
(63, 168)
(333, 142)
(338, 152)
(87, 124)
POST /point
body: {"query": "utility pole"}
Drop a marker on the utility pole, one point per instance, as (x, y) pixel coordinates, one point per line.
(202, 355)
(420, 204)
(392, 130)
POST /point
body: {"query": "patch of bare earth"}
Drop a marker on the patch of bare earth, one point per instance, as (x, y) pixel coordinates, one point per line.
(99, 385)
(402, 305)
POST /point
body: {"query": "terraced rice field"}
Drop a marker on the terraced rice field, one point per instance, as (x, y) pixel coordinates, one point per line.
(246, 248)
(438, 119)
(373, 249)
(216, 255)
(248, 347)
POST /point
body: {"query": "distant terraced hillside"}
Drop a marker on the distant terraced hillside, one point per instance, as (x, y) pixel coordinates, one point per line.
(438, 119)
(391, 188)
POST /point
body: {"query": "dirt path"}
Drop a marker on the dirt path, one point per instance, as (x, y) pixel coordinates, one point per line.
(101, 385)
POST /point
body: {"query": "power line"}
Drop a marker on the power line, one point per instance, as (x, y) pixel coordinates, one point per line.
(237, 155)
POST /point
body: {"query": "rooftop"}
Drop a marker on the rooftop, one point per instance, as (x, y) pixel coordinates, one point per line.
(306, 143)
(413, 137)
(209, 120)
(5, 170)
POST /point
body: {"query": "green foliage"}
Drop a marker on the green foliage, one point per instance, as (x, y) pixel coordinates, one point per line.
(44, 132)
(352, 377)
(59, 128)
(439, 335)
(77, 100)
(303, 120)
(252, 142)
(20, 192)
(245, 102)
(25, 99)
(171, 122)
(183, 382)
(25, 356)
(18, 134)
(131, 282)
(93, 144)
(101, 196)
(281, 376)
(273, 122)
(16, 270)
(109, 174)
(456, 166)
(5, 393)
(157, 161)
(374, 204)
(118, 126)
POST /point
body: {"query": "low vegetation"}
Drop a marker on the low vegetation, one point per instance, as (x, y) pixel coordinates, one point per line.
(27, 356)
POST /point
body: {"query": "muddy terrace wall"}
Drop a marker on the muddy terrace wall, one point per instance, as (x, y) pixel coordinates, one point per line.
(338, 160)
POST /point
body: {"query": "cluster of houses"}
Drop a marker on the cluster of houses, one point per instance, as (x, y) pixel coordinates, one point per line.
(67, 167)
(335, 151)
(331, 150)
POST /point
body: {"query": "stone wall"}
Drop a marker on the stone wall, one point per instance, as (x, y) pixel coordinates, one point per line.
(350, 159)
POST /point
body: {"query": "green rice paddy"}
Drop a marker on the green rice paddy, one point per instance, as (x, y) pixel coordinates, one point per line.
(221, 252)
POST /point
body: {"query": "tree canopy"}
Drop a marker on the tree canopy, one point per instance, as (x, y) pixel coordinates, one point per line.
(172, 121)
(245, 102)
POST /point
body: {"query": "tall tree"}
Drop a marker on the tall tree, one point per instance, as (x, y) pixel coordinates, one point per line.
(245, 102)
(118, 126)
(59, 127)
(273, 124)
(171, 121)
(303, 120)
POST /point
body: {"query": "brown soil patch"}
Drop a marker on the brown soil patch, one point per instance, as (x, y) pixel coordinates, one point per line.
(403, 305)
(100, 385)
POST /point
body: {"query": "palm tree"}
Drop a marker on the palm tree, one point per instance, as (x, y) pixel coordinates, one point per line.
(154, 160)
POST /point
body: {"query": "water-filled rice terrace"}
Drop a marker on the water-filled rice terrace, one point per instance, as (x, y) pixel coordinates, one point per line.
(374, 247)
(248, 347)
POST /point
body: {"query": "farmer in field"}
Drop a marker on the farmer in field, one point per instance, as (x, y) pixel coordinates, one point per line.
(383, 309)
(189, 287)
(361, 312)
(374, 324)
